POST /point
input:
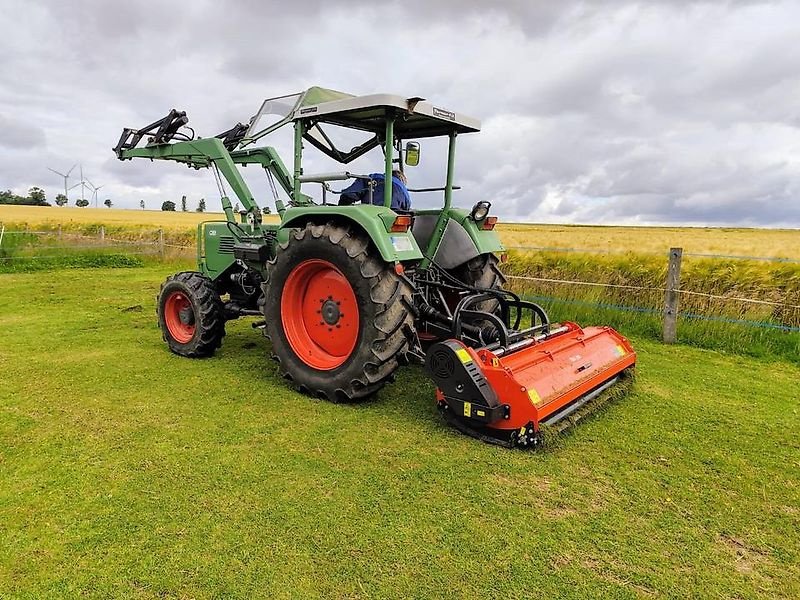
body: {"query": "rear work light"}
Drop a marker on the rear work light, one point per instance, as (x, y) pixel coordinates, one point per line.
(401, 224)
(480, 210)
(489, 223)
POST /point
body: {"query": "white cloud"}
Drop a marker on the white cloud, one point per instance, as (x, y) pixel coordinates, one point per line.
(660, 112)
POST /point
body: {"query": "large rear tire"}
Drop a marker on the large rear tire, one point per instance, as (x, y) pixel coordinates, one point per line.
(482, 272)
(190, 315)
(338, 316)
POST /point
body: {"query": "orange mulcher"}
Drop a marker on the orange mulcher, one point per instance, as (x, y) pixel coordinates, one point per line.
(509, 391)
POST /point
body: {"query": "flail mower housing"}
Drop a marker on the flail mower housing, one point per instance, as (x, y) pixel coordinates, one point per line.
(354, 282)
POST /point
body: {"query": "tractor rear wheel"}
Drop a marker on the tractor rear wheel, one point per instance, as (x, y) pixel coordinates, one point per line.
(191, 315)
(338, 316)
(482, 272)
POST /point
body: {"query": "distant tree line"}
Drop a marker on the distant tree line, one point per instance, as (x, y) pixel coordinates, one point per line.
(35, 197)
(170, 206)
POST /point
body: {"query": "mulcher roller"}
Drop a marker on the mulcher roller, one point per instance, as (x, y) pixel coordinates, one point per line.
(511, 395)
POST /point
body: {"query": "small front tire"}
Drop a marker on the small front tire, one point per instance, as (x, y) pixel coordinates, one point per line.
(191, 315)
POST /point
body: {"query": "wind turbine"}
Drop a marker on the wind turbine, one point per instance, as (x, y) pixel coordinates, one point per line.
(81, 183)
(66, 177)
(95, 189)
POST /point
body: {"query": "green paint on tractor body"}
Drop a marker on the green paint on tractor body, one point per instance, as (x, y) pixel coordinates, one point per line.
(376, 221)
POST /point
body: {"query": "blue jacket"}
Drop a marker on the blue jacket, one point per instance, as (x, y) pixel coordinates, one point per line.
(358, 192)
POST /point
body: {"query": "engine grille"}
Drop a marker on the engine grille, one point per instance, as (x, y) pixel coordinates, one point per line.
(226, 245)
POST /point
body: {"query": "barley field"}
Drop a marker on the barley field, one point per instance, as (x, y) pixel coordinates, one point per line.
(43, 215)
(784, 243)
(781, 243)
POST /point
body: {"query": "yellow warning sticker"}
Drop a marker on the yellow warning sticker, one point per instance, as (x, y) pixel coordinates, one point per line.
(534, 396)
(467, 409)
(480, 413)
(463, 355)
(620, 350)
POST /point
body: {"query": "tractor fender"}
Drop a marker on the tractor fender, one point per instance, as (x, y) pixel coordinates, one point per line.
(463, 239)
(374, 221)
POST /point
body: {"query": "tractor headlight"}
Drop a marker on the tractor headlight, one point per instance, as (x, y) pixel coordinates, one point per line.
(480, 210)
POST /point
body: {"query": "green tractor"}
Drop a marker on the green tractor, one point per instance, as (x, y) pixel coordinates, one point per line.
(353, 283)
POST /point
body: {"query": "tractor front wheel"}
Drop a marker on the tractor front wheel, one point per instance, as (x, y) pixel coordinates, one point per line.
(191, 315)
(338, 316)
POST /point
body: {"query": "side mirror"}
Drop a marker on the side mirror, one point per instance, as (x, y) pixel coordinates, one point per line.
(412, 154)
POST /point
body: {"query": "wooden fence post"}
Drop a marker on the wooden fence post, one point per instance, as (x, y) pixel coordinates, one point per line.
(671, 296)
(102, 233)
(59, 232)
(161, 248)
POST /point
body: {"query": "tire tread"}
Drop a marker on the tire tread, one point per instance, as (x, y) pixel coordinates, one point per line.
(211, 320)
(393, 324)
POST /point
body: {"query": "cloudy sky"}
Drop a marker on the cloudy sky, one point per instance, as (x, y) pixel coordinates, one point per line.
(593, 112)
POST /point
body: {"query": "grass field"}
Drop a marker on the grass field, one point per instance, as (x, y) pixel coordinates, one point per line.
(127, 472)
(748, 242)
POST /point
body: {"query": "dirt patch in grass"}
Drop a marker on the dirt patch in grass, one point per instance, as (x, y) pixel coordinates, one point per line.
(747, 557)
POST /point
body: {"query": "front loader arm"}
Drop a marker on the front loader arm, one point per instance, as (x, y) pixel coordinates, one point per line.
(218, 152)
(270, 160)
(203, 153)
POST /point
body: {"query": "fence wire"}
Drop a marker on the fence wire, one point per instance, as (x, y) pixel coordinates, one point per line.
(50, 245)
(588, 283)
(653, 289)
(51, 256)
(777, 259)
(154, 244)
(56, 242)
(659, 311)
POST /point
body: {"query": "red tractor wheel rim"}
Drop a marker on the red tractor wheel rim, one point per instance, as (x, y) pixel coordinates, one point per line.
(179, 317)
(319, 313)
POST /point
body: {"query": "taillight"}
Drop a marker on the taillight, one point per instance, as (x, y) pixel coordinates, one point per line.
(489, 223)
(401, 224)
(504, 257)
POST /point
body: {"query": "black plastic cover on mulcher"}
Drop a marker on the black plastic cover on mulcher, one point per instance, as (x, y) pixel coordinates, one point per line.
(461, 381)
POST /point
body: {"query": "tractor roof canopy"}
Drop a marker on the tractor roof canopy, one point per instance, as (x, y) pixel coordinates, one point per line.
(414, 117)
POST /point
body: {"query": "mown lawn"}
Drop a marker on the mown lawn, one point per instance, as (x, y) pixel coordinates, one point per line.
(126, 471)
